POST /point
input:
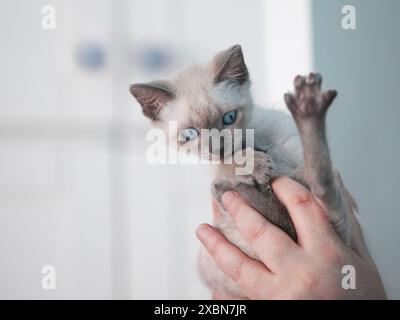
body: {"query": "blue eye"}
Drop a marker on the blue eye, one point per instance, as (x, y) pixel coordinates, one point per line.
(189, 134)
(229, 117)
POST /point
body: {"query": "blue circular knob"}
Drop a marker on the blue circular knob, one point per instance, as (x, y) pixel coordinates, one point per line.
(91, 56)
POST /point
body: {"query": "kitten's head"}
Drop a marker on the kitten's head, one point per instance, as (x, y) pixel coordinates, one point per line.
(211, 96)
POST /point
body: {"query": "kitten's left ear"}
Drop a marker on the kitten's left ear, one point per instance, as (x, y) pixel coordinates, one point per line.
(152, 97)
(229, 65)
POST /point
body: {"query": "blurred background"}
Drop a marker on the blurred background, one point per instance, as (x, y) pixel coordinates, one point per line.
(76, 191)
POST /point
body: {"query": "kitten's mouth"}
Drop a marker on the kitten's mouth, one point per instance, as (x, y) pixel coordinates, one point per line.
(225, 144)
(224, 154)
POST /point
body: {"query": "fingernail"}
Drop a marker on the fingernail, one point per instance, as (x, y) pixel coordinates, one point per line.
(202, 231)
(228, 197)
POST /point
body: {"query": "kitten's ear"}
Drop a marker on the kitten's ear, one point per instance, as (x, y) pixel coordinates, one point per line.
(152, 96)
(230, 65)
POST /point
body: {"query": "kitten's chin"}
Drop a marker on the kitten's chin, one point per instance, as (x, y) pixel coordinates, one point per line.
(210, 157)
(222, 159)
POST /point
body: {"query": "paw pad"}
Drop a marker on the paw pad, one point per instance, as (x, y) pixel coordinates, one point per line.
(308, 99)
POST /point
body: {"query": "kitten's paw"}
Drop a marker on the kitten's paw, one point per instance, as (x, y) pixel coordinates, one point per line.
(219, 187)
(259, 168)
(256, 169)
(309, 101)
(263, 167)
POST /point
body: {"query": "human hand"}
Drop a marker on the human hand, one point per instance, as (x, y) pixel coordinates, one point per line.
(309, 269)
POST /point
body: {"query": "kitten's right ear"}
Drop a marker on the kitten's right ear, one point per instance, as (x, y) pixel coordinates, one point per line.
(229, 65)
(152, 97)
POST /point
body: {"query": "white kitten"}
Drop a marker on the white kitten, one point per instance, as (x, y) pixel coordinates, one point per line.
(217, 96)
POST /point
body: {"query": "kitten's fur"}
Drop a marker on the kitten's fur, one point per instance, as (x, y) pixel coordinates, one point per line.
(200, 95)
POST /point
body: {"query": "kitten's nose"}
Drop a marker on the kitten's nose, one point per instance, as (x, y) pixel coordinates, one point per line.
(221, 143)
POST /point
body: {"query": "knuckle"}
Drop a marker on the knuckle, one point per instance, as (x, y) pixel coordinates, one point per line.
(331, 252)
(309, 283)
(238, 273)
(242, 277)
(303, 198)
(217, 249)
(256, 234)
(334, 254)
(278, 239)
(308, 277)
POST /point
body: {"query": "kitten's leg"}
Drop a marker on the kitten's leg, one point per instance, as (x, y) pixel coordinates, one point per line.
(309, 106)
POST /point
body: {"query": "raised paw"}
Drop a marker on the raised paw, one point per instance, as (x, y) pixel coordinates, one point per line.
(308, 100)
(263, 167)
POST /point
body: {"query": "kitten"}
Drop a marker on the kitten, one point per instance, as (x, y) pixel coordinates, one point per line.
(217, 96)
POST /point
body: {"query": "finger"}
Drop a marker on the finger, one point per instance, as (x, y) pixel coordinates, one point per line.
(272, 245)
(217, 215)
(308, 217)
(221, 296)
(251, 275)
